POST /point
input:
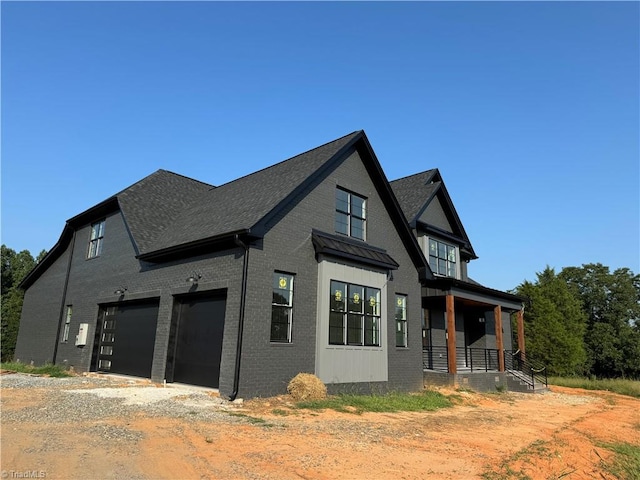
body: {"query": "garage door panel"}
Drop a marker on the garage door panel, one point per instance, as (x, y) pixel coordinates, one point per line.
(127, 339)
(198, 334)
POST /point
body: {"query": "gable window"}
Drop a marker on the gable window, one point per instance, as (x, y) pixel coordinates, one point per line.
(95, 241)
(354, 315)
(351, 214)
(443, 258)
(401, 320)
(281, 307)
(67, 325)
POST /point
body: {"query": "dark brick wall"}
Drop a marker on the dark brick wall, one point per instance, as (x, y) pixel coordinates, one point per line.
(266, 367)
(93, 281)
(41, 315)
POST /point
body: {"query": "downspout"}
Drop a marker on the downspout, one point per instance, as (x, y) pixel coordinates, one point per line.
(64, 297)
(243, 294)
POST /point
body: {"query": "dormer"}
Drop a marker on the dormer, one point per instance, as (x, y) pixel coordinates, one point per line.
(429, 211)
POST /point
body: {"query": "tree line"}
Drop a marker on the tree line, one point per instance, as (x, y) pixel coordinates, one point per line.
(584, 321)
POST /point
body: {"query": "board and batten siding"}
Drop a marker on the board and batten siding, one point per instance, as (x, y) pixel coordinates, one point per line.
(348, 363)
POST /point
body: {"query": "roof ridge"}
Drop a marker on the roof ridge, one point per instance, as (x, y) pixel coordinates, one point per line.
(287, 159)
(187, 177)
(414, 175)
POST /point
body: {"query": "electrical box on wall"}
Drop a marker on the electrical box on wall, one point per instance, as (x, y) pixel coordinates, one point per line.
(81, 338)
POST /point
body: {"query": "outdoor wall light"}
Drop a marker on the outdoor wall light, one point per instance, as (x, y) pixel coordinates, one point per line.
(120, 291)
(194, 278)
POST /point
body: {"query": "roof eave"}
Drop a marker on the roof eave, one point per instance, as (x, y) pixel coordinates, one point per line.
(52, 255)
(195, 247)
(448, 282)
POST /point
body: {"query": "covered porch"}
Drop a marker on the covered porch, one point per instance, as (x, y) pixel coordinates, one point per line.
(468, 334)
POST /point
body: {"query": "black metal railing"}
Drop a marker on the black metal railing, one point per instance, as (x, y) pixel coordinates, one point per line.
(526, 369)
(467, 359)
(435, 358)
(481, 359)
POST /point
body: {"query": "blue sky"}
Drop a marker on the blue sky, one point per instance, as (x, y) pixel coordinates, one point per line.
(529, 110)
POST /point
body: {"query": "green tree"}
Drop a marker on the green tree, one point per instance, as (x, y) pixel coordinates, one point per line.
(612, 304)
(15, 266)
(554, 324)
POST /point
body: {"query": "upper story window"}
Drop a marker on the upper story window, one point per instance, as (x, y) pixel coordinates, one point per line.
(95, 241)
(443, 258)
(351, 214)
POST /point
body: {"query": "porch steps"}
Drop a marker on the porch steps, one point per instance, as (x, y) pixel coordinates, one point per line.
(516, 383)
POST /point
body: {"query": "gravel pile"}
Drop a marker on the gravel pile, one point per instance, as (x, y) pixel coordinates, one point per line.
(95, 398)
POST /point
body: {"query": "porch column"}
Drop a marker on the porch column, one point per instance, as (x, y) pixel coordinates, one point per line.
(521, 345)
(451, 335)
(497, 313)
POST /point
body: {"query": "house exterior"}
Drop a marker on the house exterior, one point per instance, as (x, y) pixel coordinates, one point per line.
(452, 302)
(316, 264)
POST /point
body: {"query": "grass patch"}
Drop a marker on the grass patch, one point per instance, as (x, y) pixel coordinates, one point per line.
(428, 400)
(280, 412)
(622, 386)
(626, 461)
(505, 471)
(48, 369)
(253, 420)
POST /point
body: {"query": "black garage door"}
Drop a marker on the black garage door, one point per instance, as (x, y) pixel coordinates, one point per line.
(195, 341)
(125, 338)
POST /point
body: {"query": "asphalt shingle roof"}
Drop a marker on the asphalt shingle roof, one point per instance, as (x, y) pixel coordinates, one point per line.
(153, 204)
(413, 192)
(240, 204)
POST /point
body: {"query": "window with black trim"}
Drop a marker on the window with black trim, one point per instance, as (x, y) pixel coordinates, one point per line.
(95, 240)
(354, 317)
(443, 258)
(67, 325)
(401, 320)
(351, 214)
(282, 307)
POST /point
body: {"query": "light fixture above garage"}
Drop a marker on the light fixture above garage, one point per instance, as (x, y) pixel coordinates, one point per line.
(194, 278)
(120, 291)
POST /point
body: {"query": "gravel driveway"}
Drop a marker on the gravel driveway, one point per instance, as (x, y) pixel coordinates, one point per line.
(99, 397)
(106, 427)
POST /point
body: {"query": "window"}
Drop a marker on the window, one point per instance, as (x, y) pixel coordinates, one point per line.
(351, 214)
(354, 315)
(281, 307)
(401, 320)
(95, 242)
(443, 258)
(67, 325)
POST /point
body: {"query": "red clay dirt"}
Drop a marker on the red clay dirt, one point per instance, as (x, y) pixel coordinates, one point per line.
(494, 436)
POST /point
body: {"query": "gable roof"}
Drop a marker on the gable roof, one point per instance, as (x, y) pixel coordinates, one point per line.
(249, 205)
(413, 192)
(417, 191)
(169, 215)
(156, 202)
(239, 206)
(148, 206)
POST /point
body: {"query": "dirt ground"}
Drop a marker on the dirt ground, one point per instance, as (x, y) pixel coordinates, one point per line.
(553, 435)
